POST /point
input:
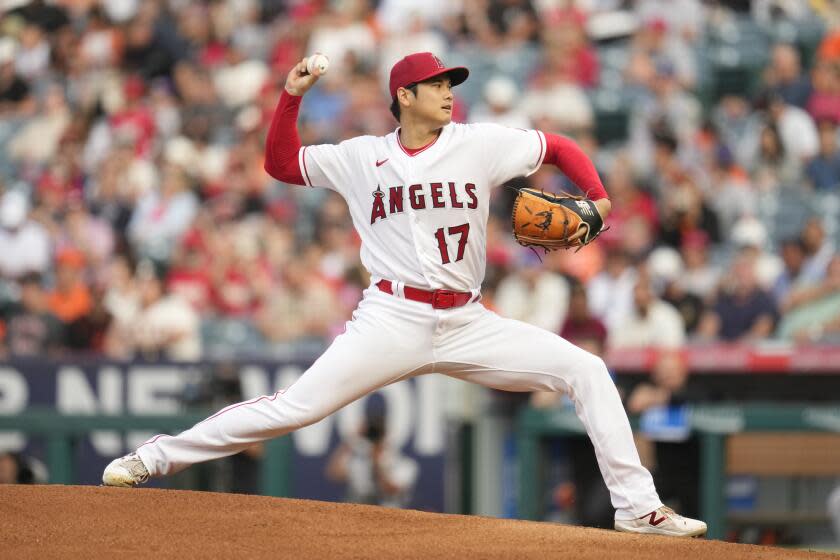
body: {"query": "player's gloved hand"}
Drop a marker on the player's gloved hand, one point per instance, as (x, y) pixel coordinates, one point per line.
(300, 80)
(555, 221)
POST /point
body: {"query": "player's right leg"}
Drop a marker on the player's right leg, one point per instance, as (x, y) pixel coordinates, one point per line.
(385, 342)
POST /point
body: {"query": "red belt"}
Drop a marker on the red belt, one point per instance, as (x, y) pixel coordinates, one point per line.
(439, 299)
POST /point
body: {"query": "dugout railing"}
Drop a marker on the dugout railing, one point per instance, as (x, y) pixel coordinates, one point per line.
(712, 423)
(61, 433)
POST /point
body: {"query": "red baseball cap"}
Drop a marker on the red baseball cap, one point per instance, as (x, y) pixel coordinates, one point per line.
(419, 67)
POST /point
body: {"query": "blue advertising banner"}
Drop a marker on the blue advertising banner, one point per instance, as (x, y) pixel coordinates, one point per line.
(411, 410)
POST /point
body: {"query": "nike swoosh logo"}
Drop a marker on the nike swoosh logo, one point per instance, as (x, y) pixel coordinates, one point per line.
(378, 163)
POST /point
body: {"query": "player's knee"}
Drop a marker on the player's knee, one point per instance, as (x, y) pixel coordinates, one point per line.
(593, 365)
(591, 370)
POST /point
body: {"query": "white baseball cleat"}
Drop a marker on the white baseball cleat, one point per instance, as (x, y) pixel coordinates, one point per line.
(663, 521)
(126, 471)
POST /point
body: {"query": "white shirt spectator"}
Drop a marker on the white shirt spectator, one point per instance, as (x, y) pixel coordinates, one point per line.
(397, 15)
(38, 140)
(611, 298)
(24, 244)
(662, 327)
(543, 304)
(240, 83)
(339, 39)
(24, 250)
(157, 223)
(500, 96)
(564, 103)
(798, 133)
(417, 38)
(171, 325)
(700, 281)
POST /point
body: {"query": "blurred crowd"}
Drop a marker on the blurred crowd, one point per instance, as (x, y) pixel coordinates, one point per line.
(136, 219)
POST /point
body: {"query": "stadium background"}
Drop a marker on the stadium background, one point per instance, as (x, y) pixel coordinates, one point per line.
(148, 264)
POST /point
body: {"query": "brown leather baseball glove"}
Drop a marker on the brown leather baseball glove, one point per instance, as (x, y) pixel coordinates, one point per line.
(554, 221)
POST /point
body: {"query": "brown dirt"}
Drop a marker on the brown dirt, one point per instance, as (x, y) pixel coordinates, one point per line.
(90, 522)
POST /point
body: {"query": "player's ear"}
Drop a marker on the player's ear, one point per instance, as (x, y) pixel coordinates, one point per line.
(405, 96)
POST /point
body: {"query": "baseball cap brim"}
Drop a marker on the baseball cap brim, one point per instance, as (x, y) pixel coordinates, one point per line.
(457, 75)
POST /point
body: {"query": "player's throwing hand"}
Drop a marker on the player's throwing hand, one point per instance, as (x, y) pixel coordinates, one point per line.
(300, 79)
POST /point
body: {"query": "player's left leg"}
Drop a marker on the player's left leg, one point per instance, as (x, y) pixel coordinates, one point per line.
(479, 346)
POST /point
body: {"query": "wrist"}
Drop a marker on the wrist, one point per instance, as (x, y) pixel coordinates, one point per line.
(294, 92)
(604, 206)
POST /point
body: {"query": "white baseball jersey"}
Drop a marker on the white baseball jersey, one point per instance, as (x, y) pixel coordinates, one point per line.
(422, 218)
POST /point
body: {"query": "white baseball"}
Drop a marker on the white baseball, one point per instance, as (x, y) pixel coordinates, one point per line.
(318, 61)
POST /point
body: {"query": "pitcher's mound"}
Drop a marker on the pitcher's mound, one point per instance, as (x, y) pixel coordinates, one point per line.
(89, 522)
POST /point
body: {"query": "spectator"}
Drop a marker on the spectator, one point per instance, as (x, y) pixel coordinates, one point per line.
(823, 171)
(15, 469)
(655, 40)
(677, 457)
(818, 250)
(556, 97)
(742, 312)
(700, 277)
(374, 471)
(15, 98)
(812, 313)
(303, 307)
(189, 276)
(797, 130)
(784, 76)
(569, 42)
(144, 53)
(92, 235)
(239, 276)
(611, 291)
(344, 35)
(666, 271)
(581, 328)
(749, 237)
(534, 295)
(500, 96)
(33, 56)
(737, 126)
(651, 323)
(729, 188)
(630, 203)
(164, 325)
(71, 298)
(31, 330)
(824, 103)
(121, 300)
(37, 141)
(24, 244)
(160, 218)
(684, 210)
(793, 259)
(773, 168)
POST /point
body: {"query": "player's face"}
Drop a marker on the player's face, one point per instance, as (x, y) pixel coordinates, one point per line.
(433, 101)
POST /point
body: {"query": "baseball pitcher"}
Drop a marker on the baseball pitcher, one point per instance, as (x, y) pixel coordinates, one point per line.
(419, 198)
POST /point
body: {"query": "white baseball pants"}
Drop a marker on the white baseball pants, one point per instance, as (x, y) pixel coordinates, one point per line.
(390, 339)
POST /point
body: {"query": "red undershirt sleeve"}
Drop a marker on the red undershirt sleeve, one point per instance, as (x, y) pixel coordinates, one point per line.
(283, 143)
(575, 164)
